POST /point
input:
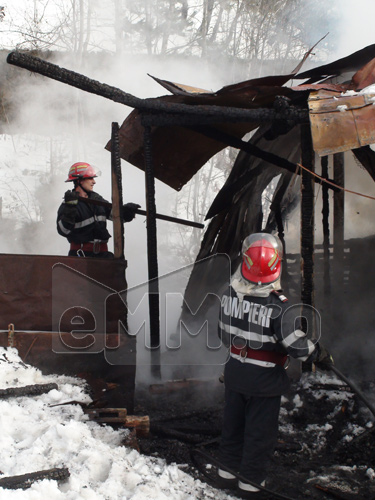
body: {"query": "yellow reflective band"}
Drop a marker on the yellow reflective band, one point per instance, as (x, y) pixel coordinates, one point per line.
(273, 259)
(249, 261)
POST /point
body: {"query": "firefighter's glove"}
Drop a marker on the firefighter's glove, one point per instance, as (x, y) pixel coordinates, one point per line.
(324, 361)
(129, 210)
(71, 198)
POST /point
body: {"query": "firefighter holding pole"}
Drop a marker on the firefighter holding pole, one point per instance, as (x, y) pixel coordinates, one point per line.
(85, 224)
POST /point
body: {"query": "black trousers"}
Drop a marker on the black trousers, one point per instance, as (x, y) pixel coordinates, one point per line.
(249, 433)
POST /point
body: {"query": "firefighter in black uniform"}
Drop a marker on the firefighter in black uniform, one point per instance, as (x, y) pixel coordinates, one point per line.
(83, 224)
(261, 329)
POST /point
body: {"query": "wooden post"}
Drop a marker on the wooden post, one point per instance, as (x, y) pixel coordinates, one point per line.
(118, 226)
(307, 218)
(325, 221)
(153, 284)
(307, 232)
(338, 217)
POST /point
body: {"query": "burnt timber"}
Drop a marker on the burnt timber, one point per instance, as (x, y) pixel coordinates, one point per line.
(278, 112)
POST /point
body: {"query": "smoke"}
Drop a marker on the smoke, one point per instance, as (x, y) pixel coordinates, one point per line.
(53, 125)
(355, 30)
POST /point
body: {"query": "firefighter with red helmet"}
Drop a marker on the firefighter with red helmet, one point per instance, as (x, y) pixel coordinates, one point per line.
(84, 224)
(261, 329)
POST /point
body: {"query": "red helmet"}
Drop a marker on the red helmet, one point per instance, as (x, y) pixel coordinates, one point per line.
(261, 258)
(81, 170)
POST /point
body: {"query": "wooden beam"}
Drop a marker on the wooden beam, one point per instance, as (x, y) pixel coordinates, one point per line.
(325, 222)
(118, 226)
(307, 235)
(338, 218)
(152, 258)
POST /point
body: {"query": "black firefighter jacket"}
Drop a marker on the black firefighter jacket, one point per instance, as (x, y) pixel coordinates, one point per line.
(83, 222)
(265, 323)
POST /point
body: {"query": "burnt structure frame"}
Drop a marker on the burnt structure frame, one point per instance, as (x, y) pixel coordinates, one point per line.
(159, 113)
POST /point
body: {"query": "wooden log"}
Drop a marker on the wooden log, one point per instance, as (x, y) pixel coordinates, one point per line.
(107, 415)
(162, 431)
(24, 481)
(27, 390)
(175, 385)
(141, 424)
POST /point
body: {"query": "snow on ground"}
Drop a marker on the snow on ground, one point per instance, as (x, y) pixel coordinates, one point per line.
(35, 436)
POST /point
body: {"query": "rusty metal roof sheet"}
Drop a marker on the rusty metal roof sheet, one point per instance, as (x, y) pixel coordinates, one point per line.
(340, 122)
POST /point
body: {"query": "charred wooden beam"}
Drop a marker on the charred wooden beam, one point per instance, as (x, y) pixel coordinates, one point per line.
(118, 226)
(27, 390)
(163, 431)
(307, 233)
(225, 196)
(107, 415)
(258, 115)
(175, 385)
(307, 219)
(325, 214)
(152, 256)
(141, 424)
(82, 82)
(24, 481)
(234, 142)
(338, 219)
(187, 416)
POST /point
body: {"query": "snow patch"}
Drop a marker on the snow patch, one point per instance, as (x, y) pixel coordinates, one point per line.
(38, 436)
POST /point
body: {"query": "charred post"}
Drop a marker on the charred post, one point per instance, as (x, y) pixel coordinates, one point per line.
(152, 257)
(118, 227)
(325, 214)
(338, 217)
(307, 228)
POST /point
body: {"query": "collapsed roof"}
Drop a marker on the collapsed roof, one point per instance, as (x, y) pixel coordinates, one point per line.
(337, 96)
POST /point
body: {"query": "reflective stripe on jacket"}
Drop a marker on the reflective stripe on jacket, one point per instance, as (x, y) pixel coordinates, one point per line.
(84, 222)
